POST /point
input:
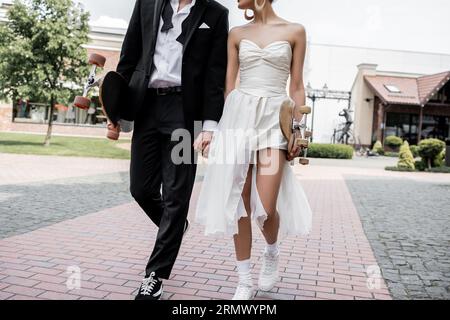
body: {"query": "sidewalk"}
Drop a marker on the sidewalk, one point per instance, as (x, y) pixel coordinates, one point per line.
(111, 245)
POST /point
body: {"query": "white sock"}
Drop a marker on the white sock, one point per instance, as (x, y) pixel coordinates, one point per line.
(243, 267)
(245, 275)
(272, 249)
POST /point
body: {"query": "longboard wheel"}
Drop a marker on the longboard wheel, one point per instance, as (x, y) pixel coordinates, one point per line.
(305, 110)
(304, 161)
(113, 132)
(82, 102)
(97, 59)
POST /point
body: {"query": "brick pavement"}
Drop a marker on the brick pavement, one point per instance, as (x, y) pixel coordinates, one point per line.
(111, 244)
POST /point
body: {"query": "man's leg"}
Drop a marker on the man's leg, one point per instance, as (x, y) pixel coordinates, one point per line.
(178, 181)
(145, 168)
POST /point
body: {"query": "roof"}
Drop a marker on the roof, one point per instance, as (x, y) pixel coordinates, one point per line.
(429, 85)
(413, 90)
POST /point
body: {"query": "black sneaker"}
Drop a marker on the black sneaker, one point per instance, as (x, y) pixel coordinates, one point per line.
(151, 288)
(187, 225)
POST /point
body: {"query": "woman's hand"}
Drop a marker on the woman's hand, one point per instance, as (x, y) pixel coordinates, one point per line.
(203, 142)
(295, 151)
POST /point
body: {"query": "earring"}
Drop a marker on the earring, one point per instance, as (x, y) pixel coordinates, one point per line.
(247, 17)
(260, 7)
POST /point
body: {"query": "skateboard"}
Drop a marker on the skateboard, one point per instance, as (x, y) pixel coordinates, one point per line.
(112, 94)
(295, 131)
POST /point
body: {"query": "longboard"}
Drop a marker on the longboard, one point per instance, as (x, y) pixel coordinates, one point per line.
(294, 130)
(112, 94)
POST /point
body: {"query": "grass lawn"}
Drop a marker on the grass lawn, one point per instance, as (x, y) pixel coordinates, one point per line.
(62, 146)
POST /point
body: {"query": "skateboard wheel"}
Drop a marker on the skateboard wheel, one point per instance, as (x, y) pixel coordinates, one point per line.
(304, 161)
(305, 110)
(82, 102)
(303, 143)
(97, 59)
(308, 134)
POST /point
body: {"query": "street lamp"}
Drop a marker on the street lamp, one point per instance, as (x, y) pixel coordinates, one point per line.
(312, 95)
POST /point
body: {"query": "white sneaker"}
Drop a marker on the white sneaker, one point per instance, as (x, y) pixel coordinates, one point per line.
(269, 276)
(244, 291)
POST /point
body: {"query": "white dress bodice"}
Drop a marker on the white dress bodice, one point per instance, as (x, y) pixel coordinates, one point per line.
(264, 71)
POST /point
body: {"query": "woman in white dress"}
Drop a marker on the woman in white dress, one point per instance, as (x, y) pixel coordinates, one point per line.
(248, 177)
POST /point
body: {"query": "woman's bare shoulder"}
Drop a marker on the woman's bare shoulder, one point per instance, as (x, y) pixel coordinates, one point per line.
(237, 33)
(297, 29)
(239, 30)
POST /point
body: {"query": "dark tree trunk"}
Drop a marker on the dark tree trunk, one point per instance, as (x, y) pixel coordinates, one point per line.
(50, 122)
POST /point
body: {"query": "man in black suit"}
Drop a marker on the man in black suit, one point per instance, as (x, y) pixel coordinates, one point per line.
(174, 58)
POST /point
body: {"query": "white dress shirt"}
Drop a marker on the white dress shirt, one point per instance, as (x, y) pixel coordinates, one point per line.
(168, 57)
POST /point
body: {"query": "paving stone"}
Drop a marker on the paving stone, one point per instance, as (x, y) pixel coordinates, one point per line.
(409, 234)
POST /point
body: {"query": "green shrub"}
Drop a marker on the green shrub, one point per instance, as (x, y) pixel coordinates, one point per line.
(420, 165)
(429, 150)
(330, 151)
(393, 142)
(378, 148)
(415, 150)
(440, 159)
(406, 159)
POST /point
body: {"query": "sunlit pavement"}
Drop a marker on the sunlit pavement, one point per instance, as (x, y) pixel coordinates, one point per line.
(60, 216)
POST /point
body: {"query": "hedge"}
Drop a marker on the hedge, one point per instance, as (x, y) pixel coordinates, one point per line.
(330, 151)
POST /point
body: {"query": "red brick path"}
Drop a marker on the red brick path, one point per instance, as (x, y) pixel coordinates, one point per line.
(111, 247)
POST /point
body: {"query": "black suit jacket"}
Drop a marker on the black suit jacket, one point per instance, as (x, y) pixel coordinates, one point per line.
(204, 57)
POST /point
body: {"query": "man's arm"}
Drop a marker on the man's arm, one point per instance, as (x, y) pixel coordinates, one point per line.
(214, 86)
(132, 45)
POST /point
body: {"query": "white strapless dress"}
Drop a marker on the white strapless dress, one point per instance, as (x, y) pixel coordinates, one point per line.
(250, 122)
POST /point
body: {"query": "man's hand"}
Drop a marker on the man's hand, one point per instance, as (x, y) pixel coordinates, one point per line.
(202, 143)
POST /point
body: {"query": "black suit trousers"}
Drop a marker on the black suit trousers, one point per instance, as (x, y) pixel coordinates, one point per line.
(161, 186)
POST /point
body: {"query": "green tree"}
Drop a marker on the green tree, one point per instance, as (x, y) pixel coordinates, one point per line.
(429, 150)
(41, 53)
(406, 158)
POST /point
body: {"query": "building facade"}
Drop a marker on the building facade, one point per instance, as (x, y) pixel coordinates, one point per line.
(410, 106)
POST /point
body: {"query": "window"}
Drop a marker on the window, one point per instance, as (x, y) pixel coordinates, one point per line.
(392, 88)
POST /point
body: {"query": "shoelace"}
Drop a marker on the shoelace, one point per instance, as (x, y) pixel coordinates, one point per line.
(270, 264)
(148, 284)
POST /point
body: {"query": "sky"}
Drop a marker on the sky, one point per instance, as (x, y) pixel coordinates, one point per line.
(412, 25)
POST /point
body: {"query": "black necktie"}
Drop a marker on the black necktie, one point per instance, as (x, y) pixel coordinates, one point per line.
(167, 17)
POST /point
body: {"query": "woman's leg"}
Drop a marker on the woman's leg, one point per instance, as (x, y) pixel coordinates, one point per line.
(271, 164)
(243, 246)
(243, 240)
(268, 180)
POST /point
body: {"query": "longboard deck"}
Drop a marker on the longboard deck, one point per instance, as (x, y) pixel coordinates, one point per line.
(113, 88)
